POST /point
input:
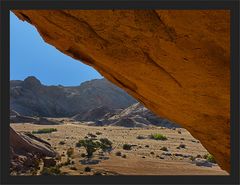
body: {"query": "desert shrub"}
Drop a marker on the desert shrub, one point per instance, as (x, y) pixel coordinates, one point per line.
(70, 152)
(44, 131)
(164, 149)
(83, 155)
(152, 153)
(87, 169)
(61, 143)
(127, 147)
(105, 144)
(147, 146)
(210, 158)
(158, 137)
(182, 145)
(140, 137)
(91, 135)
(51, 171)
(118, 153)
(98, 133)
(198, 156)
(92, 145)
(124, 156)
(205, 156)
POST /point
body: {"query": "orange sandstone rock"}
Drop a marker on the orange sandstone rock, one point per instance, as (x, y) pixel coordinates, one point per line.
(176, 62)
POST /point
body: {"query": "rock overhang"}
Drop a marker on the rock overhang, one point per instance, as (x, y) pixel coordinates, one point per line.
(176, 62)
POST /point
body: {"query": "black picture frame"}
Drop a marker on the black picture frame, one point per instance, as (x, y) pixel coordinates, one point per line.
(6, 6)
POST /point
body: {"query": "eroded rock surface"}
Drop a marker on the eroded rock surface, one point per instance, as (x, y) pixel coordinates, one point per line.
(26, 150)
(177, 63)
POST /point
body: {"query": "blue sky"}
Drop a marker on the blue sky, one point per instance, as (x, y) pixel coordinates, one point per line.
(31, 56)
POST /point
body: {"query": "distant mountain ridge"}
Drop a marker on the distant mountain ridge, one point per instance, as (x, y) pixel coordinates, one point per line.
(31, 98)
(95, 102)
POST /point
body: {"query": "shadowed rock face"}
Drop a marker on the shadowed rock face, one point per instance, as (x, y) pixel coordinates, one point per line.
(26, 150)
(31, 98)
(23, 143)
(175, 62)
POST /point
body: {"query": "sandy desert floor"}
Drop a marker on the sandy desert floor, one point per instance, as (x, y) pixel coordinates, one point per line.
(144, 158)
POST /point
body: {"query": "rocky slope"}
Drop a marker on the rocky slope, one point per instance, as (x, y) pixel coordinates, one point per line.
(139, 116)
(31, 98)
(35, 120)
(96, 114)
(176, 62)
(26, 150)
(135, 115)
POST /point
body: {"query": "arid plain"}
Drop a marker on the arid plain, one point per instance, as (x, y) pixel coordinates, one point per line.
(179, 154)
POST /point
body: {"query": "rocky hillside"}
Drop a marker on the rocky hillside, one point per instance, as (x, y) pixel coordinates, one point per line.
(26, 150)
(139, 116)
(135, 115)
(97, 101)
(31, 98)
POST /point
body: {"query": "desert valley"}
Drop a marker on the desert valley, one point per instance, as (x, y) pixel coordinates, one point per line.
(97, 129)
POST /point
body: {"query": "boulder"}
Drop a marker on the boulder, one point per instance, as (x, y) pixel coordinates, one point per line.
(26, 151)
(202, 162)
